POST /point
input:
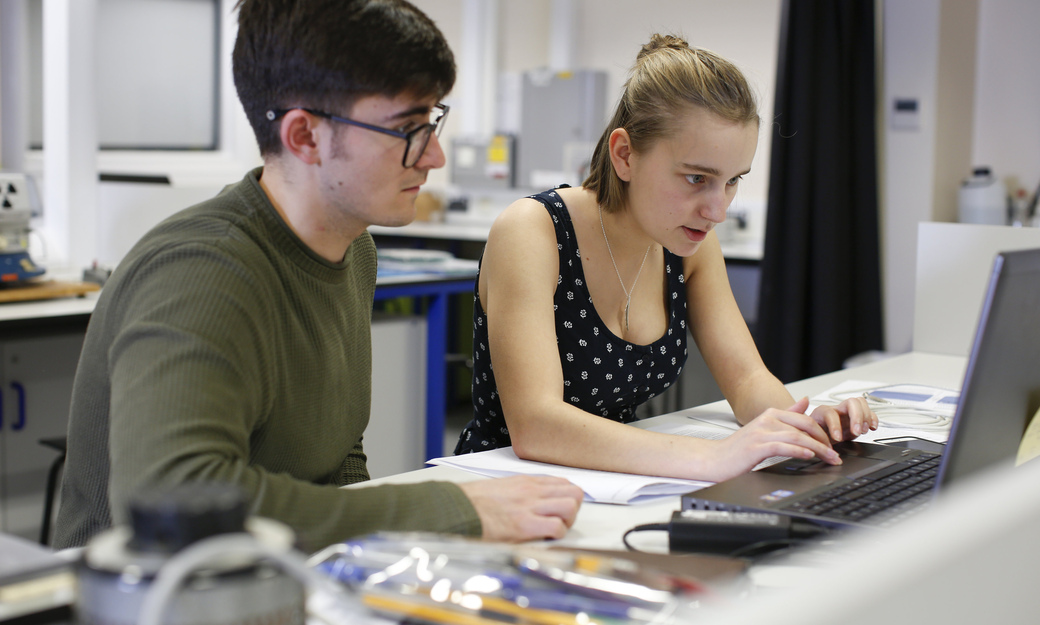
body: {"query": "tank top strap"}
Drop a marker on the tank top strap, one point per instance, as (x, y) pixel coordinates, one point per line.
(566, 239)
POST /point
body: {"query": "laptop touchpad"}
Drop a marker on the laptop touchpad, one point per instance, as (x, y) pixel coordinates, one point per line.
(851, 464)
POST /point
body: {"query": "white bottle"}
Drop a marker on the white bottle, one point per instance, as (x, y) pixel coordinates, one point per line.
(982, 199)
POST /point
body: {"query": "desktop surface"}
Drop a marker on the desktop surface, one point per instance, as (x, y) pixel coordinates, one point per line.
(957, 562)
(601, 526)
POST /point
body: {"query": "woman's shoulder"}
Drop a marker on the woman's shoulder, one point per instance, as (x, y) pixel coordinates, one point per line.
(525, 215)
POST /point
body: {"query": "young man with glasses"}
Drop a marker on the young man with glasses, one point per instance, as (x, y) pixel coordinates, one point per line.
(233, 342)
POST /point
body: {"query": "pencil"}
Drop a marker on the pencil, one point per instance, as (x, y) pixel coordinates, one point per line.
(424, 611)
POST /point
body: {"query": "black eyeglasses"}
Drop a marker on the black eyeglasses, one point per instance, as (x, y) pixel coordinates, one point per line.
(417, 139)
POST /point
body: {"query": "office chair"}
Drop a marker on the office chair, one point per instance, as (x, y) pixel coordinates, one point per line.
(58, 444)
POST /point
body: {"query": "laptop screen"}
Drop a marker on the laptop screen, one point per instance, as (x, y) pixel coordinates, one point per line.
(1001, 391)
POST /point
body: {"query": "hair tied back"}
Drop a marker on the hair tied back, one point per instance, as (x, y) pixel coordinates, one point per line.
(660, 42)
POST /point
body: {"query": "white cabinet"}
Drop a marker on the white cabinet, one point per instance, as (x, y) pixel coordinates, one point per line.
(36, 374)
(397, 425)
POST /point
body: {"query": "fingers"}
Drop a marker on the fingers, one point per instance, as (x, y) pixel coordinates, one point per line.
(520, 508)
(831, 420)
(847, 420)
(784, 433)
(861, 417)
(806, 445)
(800, 406)
(802, 422)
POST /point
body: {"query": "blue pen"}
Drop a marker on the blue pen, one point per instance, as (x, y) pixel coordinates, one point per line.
(562, 601)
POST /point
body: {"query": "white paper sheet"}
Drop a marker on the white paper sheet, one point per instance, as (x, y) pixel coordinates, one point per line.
(599, 486)
(903, 409)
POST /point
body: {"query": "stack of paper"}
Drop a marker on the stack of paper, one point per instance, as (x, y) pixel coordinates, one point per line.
(34, 582)
(393, 261)
(902, 409)
(599, 486)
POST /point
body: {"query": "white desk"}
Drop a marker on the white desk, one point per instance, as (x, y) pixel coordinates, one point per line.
(435, 230)
(49, 309)
(739, 247)
(601, 526)
(970, 558)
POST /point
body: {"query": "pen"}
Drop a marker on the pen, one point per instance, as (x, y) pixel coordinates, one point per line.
(487, 611)
(542, 615)
(426, 612)
(559, 601)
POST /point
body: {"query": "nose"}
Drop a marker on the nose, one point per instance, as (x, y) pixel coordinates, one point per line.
(433, 156)
(715, 204)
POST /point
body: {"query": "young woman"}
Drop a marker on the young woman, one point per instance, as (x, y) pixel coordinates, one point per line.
(585, 294)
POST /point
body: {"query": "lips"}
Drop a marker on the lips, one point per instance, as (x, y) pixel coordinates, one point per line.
(694, 235)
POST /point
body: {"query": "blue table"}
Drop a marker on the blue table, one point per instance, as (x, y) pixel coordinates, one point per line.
(437, 289)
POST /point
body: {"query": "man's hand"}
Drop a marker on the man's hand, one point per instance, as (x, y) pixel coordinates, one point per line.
(524, 507)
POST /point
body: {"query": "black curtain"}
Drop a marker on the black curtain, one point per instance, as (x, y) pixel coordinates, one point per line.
(820, 294)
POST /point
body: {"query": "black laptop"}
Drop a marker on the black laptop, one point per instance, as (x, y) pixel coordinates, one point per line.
(878, 485)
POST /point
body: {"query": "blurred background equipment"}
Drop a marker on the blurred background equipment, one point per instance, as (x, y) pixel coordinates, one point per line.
(16, 209)
(547, 126)
(123, 567)
(982, 199)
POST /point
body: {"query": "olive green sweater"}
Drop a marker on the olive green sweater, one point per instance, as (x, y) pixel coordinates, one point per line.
(222, 348)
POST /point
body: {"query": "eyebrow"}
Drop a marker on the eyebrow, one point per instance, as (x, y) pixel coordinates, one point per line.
(704, 169)
(415, 110)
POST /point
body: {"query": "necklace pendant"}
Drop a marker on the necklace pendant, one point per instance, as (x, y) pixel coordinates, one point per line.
(628, 292)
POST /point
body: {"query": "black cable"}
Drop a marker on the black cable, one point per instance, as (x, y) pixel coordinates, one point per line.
(646, 527)
(750, 551)
(737, 535)
(764, 547)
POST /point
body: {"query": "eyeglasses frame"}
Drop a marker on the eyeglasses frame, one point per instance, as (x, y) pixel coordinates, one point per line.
(434, 127)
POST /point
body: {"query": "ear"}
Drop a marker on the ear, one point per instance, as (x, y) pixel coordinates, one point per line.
(621, 153)
(300, 136)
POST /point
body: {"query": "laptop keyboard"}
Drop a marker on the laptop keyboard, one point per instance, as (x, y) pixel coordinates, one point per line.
(878, 499)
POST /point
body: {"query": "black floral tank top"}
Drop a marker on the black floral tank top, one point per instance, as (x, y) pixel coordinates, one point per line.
(602, 373)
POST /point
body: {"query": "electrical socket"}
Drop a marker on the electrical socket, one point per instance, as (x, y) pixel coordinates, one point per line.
(17, 193)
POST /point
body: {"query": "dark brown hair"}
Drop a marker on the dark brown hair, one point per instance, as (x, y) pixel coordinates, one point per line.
(326, 54)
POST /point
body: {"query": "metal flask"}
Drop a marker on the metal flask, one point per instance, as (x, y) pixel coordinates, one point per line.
(228, 586)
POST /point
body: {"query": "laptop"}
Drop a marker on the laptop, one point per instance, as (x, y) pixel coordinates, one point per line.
(881, 484)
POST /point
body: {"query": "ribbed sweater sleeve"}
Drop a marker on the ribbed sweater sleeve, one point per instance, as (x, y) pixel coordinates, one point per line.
(223, 349)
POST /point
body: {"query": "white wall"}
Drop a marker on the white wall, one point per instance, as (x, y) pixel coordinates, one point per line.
(1007, 94)
(81, 216)
(1003, 128)
(744, 31)
(909, 70)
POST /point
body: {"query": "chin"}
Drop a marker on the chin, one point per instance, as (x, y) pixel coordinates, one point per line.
(400, 218)
(684, 249)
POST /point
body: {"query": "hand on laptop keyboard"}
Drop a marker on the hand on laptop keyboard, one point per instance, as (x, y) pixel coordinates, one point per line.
(846, 420)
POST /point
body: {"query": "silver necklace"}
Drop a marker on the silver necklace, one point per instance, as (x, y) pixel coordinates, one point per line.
(628, 293)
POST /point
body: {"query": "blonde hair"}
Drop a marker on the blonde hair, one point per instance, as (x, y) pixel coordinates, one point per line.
(668, 78)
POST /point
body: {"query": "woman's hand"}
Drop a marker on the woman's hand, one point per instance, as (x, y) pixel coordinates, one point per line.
(775, 432)
(847, 420)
